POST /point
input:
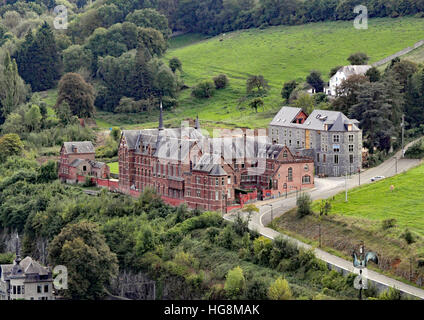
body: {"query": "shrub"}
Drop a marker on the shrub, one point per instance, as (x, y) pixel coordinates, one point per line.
(221, 81)
(388, 223)
(235, 283)
(304, 205)
(280, 290)
(408, 236)
(390, 294)
(416, 151)
(203, 90)
(256, 290)
(262, 248)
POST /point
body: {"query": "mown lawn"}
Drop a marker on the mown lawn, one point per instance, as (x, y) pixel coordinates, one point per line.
(114, 167)
(280, 54)
(377, 202)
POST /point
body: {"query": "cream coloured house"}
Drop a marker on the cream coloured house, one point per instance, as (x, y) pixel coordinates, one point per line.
(342, 74)
(25, 280)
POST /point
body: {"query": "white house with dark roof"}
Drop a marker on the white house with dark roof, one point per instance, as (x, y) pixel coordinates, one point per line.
(344, 73)
(25, 280)
(331, 138)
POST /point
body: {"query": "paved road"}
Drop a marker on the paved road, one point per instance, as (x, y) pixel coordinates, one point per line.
(325, 188)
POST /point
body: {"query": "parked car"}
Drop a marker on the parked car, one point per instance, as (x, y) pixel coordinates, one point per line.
(377, 178)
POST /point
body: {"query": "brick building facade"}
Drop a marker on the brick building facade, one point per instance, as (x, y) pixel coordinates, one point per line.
(185, 166)
(78, 158)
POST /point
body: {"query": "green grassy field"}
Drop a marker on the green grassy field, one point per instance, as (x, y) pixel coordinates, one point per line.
(114, 167)
(280, 54)
(360, 219)
(376, 202)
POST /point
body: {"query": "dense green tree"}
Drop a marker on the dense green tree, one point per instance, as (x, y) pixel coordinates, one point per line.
(358, 58)
(257, 85)
(150, 18)
(347, 93)
(221, 81)
(13, 90)
(32, 118)
(165, 82)
(373, 74)
(175, 64)
(76, 57)
(402, 71)
(235, 283)
(77, 93)
(288, 88)
(280, 290)
(303, 203)
(373, 112)
(38, 59)
(306, 102)
(334, 70)
(10, 145)
(314, 79)
(152, 40)
(204, 89)
(91, 265)
(256, 103)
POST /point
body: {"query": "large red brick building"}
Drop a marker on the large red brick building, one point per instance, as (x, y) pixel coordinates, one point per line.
(185, 166)
(78, 159)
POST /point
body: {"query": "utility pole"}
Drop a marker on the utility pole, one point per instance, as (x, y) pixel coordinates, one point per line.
(359, 171)
(403, 134)
(346, 184)
(396, 159)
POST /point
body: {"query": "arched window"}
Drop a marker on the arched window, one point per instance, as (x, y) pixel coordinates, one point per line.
(290, 174)
(306, 179)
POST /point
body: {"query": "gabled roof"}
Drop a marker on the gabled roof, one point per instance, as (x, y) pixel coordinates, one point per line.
(27, 266)
(286, 116)
(96, 164)
(81, 147)
(316, 120)
(76, 163)
(211, 164)
(354, 70)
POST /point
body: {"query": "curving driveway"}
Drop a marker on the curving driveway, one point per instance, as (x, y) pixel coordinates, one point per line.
(325, 188)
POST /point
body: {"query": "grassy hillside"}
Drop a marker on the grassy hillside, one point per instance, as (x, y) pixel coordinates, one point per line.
(376, 202)
(361, 219)
(280, 54)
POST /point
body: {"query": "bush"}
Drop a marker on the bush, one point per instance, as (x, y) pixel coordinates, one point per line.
(221, 81)
(388, 223)
(235, 283)
(256, 290)
(390, 294)
(416, 151)
(408, 236)
(280, 290)
(304, 205)
(204, 89)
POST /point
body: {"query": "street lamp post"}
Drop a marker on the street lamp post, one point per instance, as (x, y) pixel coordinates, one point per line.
(287, 184)
(272, 214)
(359, 171)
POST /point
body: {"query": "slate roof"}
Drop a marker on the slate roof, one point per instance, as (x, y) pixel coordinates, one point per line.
(354, 70)
(96, 164)
(172, 144)
(285, 117)
(336, 120)
(211, 164)
(82, 147)
(27, 266)
(76, 163)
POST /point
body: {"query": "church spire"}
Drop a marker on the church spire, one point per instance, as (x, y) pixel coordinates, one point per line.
(18, 250)
(197, 125)
(161, 117)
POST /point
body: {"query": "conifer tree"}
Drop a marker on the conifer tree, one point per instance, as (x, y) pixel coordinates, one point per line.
(38, 60)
